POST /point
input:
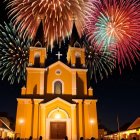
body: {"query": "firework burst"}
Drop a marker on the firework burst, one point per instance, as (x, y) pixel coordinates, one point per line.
(99, 62)
(57, 16)
(14, 51)
(116, 24)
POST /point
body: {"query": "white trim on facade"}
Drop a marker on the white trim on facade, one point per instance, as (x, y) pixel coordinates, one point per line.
(56, 99)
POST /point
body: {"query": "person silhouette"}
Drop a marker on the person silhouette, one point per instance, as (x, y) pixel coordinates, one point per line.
(30, 138)
(66, 138)
(40, 138)
(92, 138)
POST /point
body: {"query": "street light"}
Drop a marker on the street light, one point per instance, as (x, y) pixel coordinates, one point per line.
(57, 116)
(21, 122)
(92, 122)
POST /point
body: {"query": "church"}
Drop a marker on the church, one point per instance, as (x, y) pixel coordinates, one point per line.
(57, 100)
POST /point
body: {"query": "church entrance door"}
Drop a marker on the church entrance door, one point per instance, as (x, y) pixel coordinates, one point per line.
(57, 130)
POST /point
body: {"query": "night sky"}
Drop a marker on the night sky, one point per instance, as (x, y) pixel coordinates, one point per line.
(116, 95)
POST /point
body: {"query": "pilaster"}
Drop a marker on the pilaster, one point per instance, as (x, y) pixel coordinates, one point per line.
(86, 119)
(42, 124)
(74, 128)
(36, 117)
(80, 117)
(23, 119)
(74, 83)
(90, 119)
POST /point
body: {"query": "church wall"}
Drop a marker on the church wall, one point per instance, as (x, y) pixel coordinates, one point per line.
(35, 81)
(93, 115)
(42, 122)
(65, 77)
(90, 119)
(81, 80)
(24, 118)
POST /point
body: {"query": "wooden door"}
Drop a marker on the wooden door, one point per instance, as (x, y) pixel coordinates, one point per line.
(57, 130)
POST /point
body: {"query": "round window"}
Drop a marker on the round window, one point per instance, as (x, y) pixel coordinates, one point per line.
(58, 72)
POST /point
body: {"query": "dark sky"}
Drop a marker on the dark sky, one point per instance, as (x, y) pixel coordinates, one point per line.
(117, 94)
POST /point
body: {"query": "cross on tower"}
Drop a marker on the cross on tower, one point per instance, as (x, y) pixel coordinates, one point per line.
(58, 55)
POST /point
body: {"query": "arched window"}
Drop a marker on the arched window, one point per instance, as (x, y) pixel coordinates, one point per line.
(78, 59)
(57, 87)
(37, 60)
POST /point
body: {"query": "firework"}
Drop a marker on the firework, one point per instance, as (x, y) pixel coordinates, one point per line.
(57, 16)
(116, 24)
(14, 51)
(99, 62)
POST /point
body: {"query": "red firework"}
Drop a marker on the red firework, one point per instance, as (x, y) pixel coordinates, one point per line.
(57, 16)
(116, 24)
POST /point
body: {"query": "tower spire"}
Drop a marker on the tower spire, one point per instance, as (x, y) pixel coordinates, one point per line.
(39, 37)
(74, 35)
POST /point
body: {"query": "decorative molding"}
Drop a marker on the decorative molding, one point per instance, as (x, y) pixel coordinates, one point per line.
(78, 100)
(89, 101)
(24, 101)
(36, 70)
(58, 109)
(57, 99)
(37, 101)
(60, 63)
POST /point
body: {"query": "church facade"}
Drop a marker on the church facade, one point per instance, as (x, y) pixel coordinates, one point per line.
(56, 101)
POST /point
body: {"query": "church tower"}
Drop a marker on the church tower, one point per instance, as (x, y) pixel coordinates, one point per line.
(56, 101)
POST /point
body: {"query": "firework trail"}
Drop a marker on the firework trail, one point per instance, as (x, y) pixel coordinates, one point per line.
(116, 24)
(100, 63)
(57, 16)
(14, 52)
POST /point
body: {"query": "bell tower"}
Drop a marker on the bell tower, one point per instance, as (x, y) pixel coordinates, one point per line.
(37, 57)
(76, 54)
(76, 57)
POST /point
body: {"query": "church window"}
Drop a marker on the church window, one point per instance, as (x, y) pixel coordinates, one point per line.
(78, 59)
(37, 60)
(57, 87)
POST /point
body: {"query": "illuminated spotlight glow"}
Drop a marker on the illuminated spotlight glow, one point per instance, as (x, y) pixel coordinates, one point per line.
(92, 121)
(21, 121)
(57, 116)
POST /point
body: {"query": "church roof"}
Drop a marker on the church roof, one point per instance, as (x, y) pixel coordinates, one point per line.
(60, 63)
(74, 35)
(66, 101)
(39, 37)
(135, 124)
(66, 67)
